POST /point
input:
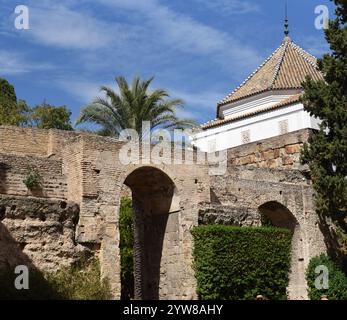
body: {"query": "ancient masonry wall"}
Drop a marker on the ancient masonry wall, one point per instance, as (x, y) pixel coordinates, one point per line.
(39, 233)
(262, 173)
(84, 171)
(76, 211)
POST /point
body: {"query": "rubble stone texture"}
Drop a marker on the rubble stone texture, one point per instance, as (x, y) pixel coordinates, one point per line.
(76, 211)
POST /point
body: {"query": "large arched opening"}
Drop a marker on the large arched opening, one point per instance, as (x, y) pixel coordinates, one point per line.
(275, 214)
(156, 230)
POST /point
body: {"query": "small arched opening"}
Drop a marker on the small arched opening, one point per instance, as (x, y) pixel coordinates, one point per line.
(275, 214)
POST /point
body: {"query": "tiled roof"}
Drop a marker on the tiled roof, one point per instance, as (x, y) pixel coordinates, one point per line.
(218, 122)
(285, 69)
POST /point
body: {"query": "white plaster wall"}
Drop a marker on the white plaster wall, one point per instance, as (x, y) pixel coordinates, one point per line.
(231, 111)
(262, 126)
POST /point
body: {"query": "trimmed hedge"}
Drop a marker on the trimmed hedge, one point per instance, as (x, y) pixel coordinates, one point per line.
(337, 280)
(233, 263)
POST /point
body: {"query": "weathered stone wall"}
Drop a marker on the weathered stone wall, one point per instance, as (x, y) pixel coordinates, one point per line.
(85, 169)
(84, 172)
(262, 173)
(281, 152)
(38, 233)
(14, 170)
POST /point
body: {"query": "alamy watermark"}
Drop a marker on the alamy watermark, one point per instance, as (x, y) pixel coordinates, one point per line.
(21, 22)
(322, 279)
(22, 280)
(163, 147)
(322, 19)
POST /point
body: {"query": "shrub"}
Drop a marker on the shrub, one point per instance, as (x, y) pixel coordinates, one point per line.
(33, 180)
(233, 263)
(337, 279)
(80, 282)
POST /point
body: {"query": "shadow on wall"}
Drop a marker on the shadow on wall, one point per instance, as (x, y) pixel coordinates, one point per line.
(3, 177)
(12, 255)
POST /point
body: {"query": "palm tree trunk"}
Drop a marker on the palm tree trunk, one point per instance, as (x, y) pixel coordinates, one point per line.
(138, 251)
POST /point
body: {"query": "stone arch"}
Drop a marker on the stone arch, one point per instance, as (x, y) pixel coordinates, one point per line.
(279, 215)
(156, 230)
(282, 217)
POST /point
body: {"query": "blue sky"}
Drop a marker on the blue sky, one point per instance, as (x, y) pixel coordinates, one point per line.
(198, 50)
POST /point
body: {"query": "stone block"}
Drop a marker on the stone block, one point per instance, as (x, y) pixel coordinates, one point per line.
(294, 148)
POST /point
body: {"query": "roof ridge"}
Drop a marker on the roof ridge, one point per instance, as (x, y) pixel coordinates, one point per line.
(280, 61)
(302, 52)
(251, 75)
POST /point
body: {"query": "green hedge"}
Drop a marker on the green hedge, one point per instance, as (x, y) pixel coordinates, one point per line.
(233, 263)
(337, 280)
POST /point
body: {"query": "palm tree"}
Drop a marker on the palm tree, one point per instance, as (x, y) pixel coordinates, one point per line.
(132, 106)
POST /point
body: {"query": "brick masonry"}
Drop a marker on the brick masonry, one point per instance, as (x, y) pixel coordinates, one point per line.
(76, 212)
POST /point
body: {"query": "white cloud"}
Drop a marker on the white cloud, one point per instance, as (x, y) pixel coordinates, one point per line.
(315, 45)
(203, 101)
(84, 91)
(62, 26)
(150, 39)
(12, 63)
(183, 33)
(229, 7)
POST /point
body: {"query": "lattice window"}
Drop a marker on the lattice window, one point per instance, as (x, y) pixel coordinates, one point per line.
(246, 136)
(212, 146)
(283, 127)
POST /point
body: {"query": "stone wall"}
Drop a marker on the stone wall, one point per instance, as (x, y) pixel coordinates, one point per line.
(83, 177)
(269, 174)
(39, 233)
(281, 152)
(86, 170)
(14, 169)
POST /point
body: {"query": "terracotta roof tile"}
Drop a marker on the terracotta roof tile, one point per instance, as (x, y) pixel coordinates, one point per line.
(286, 68)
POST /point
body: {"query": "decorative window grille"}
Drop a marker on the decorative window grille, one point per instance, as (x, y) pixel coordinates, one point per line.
(283, 127)
(212, 146)
(246, 136)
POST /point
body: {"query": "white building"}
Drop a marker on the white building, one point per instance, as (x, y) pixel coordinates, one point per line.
(266, 104)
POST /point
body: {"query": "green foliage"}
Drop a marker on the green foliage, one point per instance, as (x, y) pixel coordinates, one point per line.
(233, 263)
(46, 116)
(7, 91)
(133, 105)
(18, 113)
(337, 280)
(126, 227)
(80, 282)
(12, 112)
(33, 179)
(326, 152)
